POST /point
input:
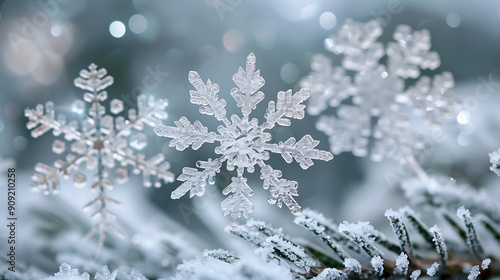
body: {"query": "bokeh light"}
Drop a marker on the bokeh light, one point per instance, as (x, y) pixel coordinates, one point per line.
(327, 20)
(138, 23)
(453, 20)
(20, 143)
(233, 40)
(290, 73)
(56, 30)
(117, 29)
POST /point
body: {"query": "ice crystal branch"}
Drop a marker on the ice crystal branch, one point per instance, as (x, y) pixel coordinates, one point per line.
(243, 143)
(101, 142)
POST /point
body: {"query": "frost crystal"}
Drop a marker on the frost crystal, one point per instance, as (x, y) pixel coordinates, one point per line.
(243, 142)
(68, 273)
(352, 265)
(486, 262)
(402, 263)
(415, 274)
(495, 162)
(330, 274)
(378, 264)
(474, 273)
(362, 233)
(100, 143)
(373, 84)
(432, 270)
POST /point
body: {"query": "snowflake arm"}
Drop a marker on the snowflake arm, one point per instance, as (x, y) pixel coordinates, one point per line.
(195, 180)
(249, 82)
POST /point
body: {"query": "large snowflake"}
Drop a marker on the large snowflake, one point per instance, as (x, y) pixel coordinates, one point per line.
(101, 142)
(243, 142)
(373, 84)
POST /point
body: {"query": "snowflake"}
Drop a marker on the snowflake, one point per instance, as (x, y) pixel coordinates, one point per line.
(243, 142)
(373, 86)
(102, 142)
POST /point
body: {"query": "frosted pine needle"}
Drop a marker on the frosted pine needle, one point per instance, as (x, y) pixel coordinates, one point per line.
(439, 243)
(101, 142)
(472, 241)
(243, 142)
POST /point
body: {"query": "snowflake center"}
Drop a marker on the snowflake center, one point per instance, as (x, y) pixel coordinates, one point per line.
(98, 144)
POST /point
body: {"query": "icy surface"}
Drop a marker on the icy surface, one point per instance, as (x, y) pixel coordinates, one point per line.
(243, 142)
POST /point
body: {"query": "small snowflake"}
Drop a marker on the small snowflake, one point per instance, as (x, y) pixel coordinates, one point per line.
(101, 142)
(243, 142)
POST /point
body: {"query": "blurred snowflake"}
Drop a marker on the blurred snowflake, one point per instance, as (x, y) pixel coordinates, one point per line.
(101, 142)
(372, 84)
(243, 142)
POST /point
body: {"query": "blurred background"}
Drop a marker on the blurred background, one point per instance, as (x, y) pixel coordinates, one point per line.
(149, 46)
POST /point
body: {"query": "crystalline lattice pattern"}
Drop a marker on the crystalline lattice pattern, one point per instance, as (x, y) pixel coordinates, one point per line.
(243, 142)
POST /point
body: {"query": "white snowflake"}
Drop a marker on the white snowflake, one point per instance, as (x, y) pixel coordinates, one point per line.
(102, 141)
(371, 87)
(243, 142)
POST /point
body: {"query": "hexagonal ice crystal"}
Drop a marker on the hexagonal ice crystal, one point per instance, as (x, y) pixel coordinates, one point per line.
(58, 146)
(121, 175)
(78, 107)
(116, 106)
(79, 180)
(138, 141)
